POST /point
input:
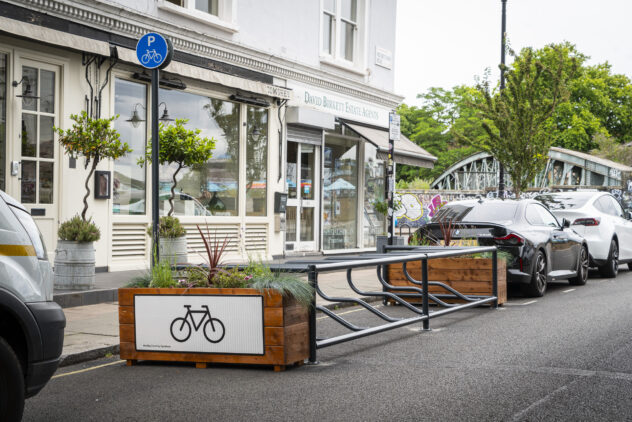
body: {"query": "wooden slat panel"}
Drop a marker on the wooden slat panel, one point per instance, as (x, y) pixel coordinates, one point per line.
(296, 342)
(294, 314)
(273, 336)
(126, 314)
(272, 317)
(127, 333)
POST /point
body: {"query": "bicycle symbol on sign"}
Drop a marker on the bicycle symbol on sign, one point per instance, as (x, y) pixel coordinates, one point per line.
(213, 328)
(151, 55)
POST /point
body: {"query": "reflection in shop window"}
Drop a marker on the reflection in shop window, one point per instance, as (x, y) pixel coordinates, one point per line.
(212, 188)
(374, 191)
(129, 178)
(3, 117)
(340, 196)
(256, 160)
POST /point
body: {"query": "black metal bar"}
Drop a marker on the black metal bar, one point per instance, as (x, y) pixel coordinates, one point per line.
(503, 37)
(155, 165)
(340, 320)
(424, 303)
(435, 297)
(495, 277)
(312, 278)
(357, 302)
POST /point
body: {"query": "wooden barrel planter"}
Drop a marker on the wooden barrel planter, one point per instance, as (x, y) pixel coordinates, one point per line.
(468, 276)
(74, 265)
(211, 325)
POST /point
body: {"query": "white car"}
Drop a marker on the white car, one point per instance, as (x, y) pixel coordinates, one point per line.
(600, 219)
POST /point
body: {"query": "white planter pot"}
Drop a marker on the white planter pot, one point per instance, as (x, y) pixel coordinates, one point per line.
(174, 250)
(74, 265)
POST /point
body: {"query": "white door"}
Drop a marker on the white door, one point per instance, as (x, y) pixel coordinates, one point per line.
(34, 148)
(303, 179)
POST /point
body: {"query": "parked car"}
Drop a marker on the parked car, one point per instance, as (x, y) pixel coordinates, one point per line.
(542, 248)
(31, 324)
(601, 220)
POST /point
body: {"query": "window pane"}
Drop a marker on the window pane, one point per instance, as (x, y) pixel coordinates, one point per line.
(3, 118)
(29, 135)
(327, 33)
(45, 183)
(340, 194)
(307, 224)
(374, 191)
(46, 144)
(209, 189)
(307, 171)
(28, 182)
(176, 2)
(346, 41)
(29, 82)
(128, 188)
(207, 6)
(257, 160)
(47, 91)
(349, 10)
(290, 224)
(292, 150)
(329, 5)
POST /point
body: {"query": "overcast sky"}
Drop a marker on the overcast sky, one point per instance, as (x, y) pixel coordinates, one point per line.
(445, 43)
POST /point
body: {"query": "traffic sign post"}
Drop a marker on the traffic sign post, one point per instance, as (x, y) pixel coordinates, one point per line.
(154, 52)
(393, 135)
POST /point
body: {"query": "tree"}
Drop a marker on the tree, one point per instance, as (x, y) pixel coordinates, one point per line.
(516, 120)
(180, 146)
(94, 139)
(610, 149)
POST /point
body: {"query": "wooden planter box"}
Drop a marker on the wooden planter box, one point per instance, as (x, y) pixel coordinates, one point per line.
(468, 276)
(280, 333)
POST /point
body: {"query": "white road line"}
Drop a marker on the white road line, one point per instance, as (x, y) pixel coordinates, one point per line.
(92, 368)
(528, 303)
(567, 291)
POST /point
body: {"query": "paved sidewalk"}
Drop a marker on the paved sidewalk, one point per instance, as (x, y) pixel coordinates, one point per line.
(92, 330)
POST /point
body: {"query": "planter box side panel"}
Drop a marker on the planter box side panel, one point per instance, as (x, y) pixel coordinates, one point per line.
(296, 331)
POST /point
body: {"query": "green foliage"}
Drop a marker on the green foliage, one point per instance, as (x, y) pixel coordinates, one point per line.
(516, 120)
(142, 280)
(168, 227)
(231, 278)
(182, 147)
(161, 275)
(79, 230)
(214, 252)
(93, 139)
(289, 285)
(610, 149)
(196, 276)
(502, 255)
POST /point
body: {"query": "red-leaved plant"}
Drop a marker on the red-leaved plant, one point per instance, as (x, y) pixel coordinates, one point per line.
(446, 230)
(214, 252)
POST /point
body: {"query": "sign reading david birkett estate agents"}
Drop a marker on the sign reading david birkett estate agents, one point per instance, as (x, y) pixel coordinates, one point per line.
(199, 324)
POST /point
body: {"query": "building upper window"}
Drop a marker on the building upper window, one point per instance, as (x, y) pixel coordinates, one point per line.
(206, 6)
(341, 30)
(215, 13)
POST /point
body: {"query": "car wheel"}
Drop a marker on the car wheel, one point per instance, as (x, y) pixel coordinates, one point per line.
(582, 269)
(611, 268)
(11, 384)
(537, 286)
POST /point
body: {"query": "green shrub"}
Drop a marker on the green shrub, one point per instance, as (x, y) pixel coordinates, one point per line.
(168, 227)
(142, 280)
(231, 278)
(288, 285)
(161, 275)
(79, 230)
(196, 276)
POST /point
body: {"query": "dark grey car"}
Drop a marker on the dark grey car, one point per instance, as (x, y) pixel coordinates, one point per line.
(542, 248)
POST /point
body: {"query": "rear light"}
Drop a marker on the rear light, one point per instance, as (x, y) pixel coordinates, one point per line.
(510, 240)
(586, 222)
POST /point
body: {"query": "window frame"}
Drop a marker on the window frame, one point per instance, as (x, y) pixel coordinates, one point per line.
(335, 57)
(224, 20)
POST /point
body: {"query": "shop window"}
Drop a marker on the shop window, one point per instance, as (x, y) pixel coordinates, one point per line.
(128, 187)
(256, 160)
(341, 30)
(340, 195)
(213, 188)
(374, 222)
(3, 118)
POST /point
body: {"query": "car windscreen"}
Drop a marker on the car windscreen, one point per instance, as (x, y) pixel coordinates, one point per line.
(564, 202)
(486, 212)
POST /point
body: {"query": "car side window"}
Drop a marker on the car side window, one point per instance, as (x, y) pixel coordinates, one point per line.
(599, 205)
(533, 216)
(616, 207)
(548, 219)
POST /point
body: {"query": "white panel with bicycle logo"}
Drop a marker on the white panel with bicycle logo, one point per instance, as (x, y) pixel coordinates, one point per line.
(199, 324)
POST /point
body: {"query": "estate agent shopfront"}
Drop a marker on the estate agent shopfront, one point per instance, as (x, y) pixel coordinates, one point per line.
(326, 149)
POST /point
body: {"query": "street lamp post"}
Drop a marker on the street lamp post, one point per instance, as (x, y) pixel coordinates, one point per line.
(503, 36)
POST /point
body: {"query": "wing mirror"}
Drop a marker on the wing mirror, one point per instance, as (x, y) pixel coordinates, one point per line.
(565, 223)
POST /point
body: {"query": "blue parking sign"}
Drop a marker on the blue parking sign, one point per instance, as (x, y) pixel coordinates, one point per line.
(154, 51)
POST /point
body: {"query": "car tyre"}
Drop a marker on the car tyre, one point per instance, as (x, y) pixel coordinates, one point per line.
(611, 268)
(582, 269)
(11, 384)
(537, 286)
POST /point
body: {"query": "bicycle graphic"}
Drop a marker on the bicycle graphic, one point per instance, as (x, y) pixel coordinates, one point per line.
(213, 328)
(151, 55)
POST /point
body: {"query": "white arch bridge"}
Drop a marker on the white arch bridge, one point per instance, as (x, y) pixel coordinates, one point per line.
(564, 168)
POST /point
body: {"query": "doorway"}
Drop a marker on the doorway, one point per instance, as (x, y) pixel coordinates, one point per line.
(302, 212)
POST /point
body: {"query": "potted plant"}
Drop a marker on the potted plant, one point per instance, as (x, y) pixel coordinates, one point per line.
(247, 315)
(184, 148)
(93, 139)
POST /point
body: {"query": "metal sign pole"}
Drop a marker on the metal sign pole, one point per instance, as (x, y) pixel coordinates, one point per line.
(155, 145)
(393, 135)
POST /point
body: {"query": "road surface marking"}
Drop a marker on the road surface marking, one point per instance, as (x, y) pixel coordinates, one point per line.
(567, 291)
(529, 302)
(342, 313)
(87, 369)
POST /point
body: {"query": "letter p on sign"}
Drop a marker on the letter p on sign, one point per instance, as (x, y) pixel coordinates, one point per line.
(150, 40)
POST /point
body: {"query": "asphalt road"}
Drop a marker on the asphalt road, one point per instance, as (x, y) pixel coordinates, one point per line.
(566, 356)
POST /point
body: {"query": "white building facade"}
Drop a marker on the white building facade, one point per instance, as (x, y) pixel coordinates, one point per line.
(296, 95)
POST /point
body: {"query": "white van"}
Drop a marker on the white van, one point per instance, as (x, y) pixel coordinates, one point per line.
(31, 324)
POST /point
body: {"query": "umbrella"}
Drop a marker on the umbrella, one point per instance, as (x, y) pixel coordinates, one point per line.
(340, 184)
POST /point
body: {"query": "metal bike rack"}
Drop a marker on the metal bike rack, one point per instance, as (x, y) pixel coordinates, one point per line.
(396, 294)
